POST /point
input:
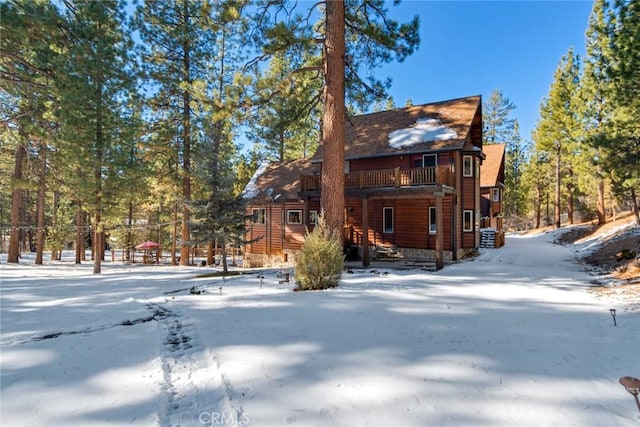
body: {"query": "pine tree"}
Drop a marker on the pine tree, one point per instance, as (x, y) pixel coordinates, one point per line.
(175, 53)
(515, 195)
(621, 148)
(594, 89)
(496, 116)
(558, 129)
(285, 125)
(320, 262)
(357, 37)
(92, 98)
(30, 46)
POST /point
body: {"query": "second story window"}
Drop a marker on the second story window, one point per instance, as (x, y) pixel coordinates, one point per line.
(467, 166)
(496, 195)
(429, 160)
(426, 161)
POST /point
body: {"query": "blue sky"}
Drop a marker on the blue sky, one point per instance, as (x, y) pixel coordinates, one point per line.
(473, 47)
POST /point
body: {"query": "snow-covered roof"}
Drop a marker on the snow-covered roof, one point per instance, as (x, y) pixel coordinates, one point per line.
(424, 130)
(251, 190)
(277, 179)
(446, 125)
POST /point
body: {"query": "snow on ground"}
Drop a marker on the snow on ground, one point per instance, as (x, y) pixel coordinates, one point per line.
(509, 338)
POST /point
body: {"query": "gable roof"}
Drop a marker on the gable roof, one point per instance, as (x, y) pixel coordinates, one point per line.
(368, 135)
(493, 164)
(282, 178)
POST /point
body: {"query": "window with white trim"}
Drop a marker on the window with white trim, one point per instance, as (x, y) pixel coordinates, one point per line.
(496, 194)
(467, 220)
(294, 216)
(313, 217)
(258, 216)
(387, 219)
(429, 160)
(432, 220)
(467, 166)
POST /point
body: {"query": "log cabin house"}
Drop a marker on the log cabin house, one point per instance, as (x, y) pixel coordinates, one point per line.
(412, 188)
(491, 195)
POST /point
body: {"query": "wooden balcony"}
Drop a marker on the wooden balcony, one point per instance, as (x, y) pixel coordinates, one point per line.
(386, 178)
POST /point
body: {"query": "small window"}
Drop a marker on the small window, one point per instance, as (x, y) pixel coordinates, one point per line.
(258, 216)
(467, 166)
(429, 160)
(467, 220)
(496, 195)
(347, 166)
(432, 220)
(387, 214)
(313, 217)
(294, 216)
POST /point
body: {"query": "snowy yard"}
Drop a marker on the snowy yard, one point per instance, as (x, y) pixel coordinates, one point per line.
(510, 338)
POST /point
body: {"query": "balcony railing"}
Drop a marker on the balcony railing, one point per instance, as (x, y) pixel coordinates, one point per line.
(385, 178)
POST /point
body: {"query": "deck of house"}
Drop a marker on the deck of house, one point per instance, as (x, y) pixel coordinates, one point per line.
(385, 178)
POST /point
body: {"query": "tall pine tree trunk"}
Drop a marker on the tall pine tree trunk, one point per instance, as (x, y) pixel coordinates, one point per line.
(186, 140)
(334, 118)
(558, 187)
(600, 208)
(79, 234)
(570, 196)
(98, 242)
(634, 201)
(40, 205)
(16, 201)
(55, 250)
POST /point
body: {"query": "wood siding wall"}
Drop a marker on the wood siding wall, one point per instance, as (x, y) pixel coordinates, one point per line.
(411, 222)
(276, 235)
(404, 161)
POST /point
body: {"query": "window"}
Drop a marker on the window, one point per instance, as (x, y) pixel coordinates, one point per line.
(429, 160)
(294, 216)
(313, 217)
(258, 216)
(467, 220)
(426, 161)
(387, 214)
(347, 166)
(432, 220)
(467, 166)
(496, 195)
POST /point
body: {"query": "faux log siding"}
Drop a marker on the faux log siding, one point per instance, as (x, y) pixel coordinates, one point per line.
(411, 222)
(274, 215)
(294, 233)
(404, 161)
(270, 233)
(256, 231)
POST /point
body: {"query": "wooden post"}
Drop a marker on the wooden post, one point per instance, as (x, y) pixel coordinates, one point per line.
(439, 232)
(365, 232)
(397, 177)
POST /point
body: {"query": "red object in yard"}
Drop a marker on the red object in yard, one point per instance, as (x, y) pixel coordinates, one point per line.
(148, 245)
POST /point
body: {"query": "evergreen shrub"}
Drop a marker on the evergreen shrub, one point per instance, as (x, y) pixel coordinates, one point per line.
(320, 262)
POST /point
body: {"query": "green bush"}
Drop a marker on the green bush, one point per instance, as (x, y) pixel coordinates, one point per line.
(320, 261)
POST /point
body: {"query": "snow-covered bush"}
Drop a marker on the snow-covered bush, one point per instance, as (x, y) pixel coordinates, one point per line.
(320, 261)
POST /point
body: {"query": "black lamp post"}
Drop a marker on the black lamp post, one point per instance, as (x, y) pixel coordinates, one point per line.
(613, 314)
